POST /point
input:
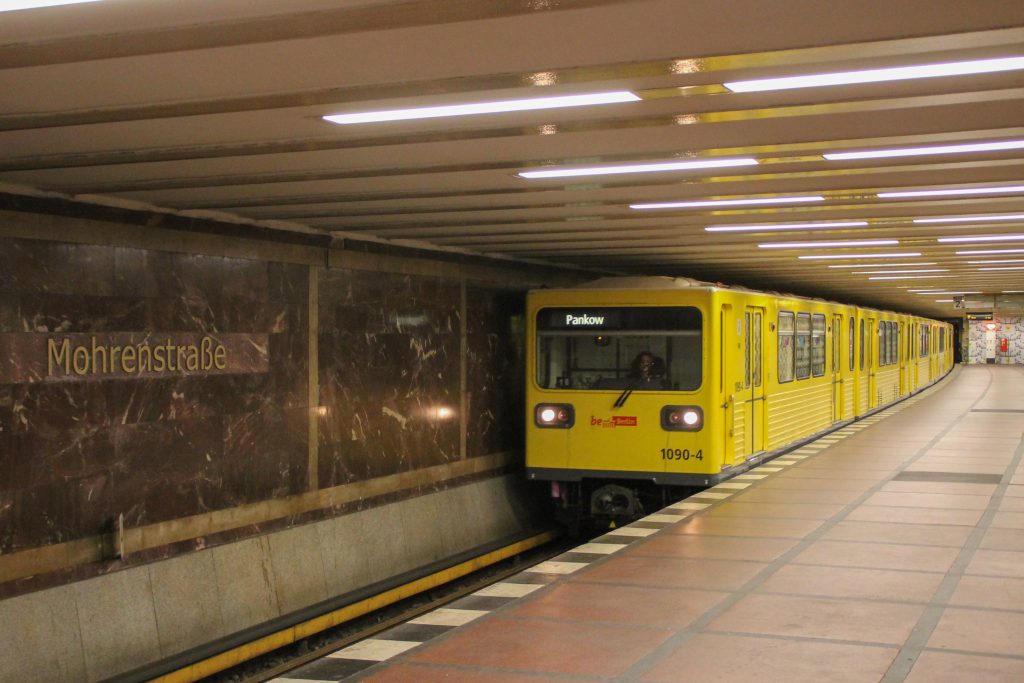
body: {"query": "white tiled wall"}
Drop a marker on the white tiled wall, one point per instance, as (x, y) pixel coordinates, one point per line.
(1010, 327)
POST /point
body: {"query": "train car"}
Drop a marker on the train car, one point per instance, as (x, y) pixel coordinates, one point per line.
(639, 385)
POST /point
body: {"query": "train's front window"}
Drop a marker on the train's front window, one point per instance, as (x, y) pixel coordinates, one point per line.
(641, 348)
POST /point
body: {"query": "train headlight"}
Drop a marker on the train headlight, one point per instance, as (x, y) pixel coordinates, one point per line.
(682, 418)
(554, 415)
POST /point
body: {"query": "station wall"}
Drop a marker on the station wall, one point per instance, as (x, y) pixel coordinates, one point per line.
(298, 384)
(1006, 327)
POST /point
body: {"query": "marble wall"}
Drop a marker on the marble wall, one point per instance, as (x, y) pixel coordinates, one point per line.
(77, 452)
(411, 371)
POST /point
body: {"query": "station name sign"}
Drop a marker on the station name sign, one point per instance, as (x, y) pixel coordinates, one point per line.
(96, 358)
(28, 357)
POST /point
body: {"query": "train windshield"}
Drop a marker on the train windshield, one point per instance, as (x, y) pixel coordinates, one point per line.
(641, 348)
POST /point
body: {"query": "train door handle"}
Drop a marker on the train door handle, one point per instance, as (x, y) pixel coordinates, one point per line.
(729, 400)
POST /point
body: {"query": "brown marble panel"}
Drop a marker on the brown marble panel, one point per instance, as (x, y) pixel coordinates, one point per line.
(75, 454)
(494, 371)
(389, 374)
(31, 266)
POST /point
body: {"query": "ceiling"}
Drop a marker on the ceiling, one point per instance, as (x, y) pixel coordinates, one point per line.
(214, 109)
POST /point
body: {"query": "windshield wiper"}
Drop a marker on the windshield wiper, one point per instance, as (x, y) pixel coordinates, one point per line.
(623, 397)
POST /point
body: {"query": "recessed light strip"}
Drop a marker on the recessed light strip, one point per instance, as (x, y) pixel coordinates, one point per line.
(896, 272)
(12, 5)
(973, 219)
(998, 260)
(1004, 268)
(655, 167)
(786, 226)
(828, 245)
(890, 265)
(859, 256)
(906, 277)
(975, 252)
(728, 202)
(899, 73)
(497, 107)
(918, 151)
(953, 192)
(983, 238)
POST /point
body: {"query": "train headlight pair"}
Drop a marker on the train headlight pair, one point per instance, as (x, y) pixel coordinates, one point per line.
(682, 418)
(554, 415)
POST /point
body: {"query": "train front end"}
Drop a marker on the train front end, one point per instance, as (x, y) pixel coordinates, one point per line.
(619, 399)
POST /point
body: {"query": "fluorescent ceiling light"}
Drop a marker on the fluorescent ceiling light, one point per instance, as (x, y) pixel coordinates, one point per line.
(1013, 291)
(728, 202)
(497, 107)
(899, 73)
(917, 151)
(1000, 260)
(654, 167)
(973, 219)
(855, 256)
(905, 277)
(939, 291)
(895, 272)
(785, 226)
(888, 265)
(827, 245)
(11, 5)
(951, 192)
(983, 238)
(990, 251)
(1004, 268)
(943, 301)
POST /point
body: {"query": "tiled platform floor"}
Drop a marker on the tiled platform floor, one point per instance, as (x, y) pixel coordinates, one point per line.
(890, 551)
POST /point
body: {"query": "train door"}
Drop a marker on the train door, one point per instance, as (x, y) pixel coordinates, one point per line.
(871, 359)
(753, 401)
(837, 367)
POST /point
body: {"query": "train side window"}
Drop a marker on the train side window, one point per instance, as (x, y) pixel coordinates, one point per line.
(786, 346)
(853, 341)
(757, 349)
(802, 365)
(746, 350)
(895, 348)
(883, 346)
(862, 344)
(818, 345)
(942, 340)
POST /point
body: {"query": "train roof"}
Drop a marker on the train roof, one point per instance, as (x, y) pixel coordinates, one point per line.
(664, 282)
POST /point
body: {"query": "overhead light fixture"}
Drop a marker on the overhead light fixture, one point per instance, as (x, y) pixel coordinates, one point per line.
(939, 291)
(828, 245)
(953, 192)
(728, 202)
(497, 107)
(890, 265)
(906, 277)
(786, 226)
(1012, 291)
(973, 219)
(897, 272)
(899, 73)
(1004, 268)
(654, 167)
(1000, 260)
(12, 5)
(943, 301)
(975, 252)
(857, 256)
(983, 238)
(918, 151)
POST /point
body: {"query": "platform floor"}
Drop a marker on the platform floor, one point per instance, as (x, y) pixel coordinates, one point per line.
(892, 550)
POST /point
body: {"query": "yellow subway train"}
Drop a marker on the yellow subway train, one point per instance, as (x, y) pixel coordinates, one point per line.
(636, 385)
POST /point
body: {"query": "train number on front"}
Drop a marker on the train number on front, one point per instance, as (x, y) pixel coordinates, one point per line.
(681, 454)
